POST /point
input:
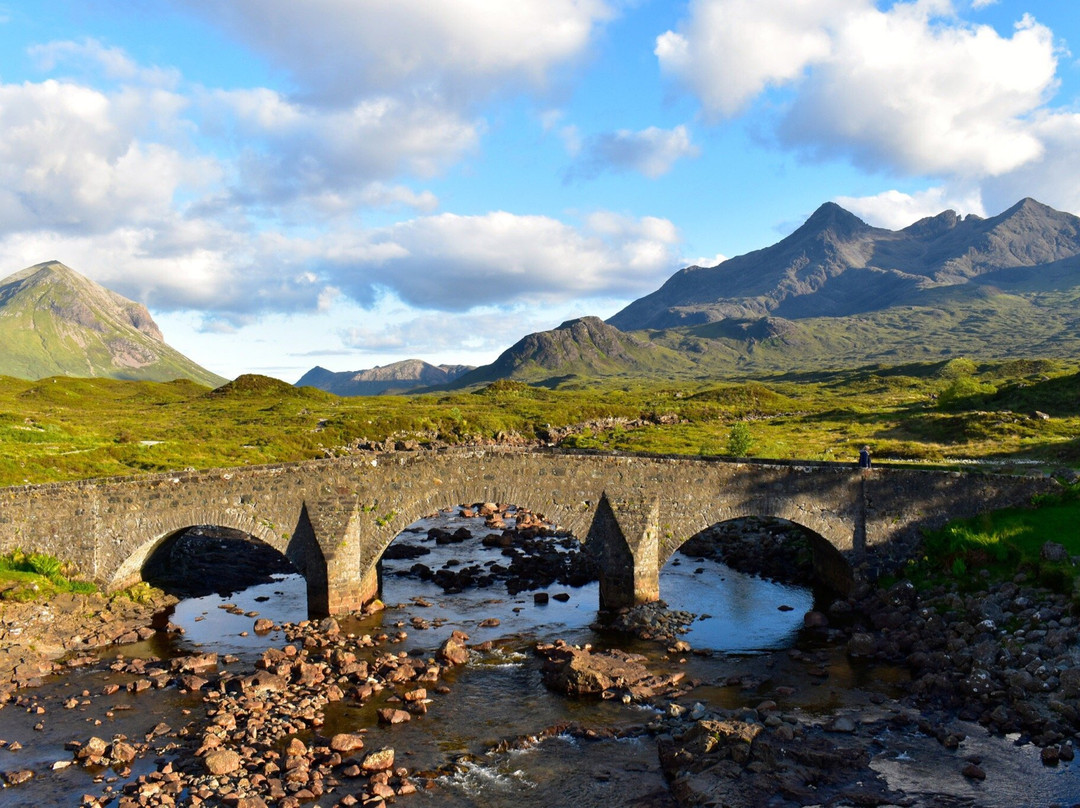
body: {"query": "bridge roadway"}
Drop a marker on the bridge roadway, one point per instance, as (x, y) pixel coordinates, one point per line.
(334, 518)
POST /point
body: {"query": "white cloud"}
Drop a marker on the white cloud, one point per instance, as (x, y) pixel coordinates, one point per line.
(291, 148)
(1051, 177)
(651, 152)
(114, 63)
(729, 51)
(482, 333)
(72, 159)
(442, 263)
(341, 50)
(911, 89)
(704, 261)
(454, 263)
(895, 210)
(901, 92)
(379, 195)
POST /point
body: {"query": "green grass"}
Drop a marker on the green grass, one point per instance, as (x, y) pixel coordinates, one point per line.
(30, 576)
(65, 428)
(1001, 543)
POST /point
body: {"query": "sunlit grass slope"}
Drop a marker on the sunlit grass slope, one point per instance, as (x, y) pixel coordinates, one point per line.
(64, 428)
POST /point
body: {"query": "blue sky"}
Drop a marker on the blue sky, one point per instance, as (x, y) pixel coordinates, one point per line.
(352, 182)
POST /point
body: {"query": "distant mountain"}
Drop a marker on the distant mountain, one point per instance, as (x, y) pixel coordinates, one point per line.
(837, 292)
(836, 265)
(397, 377)
(584, 348)
(55, 322)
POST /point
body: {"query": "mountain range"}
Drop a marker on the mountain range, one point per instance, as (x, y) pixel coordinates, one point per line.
(55, 322)
(836, 265)
(395, 377)
(836, 292)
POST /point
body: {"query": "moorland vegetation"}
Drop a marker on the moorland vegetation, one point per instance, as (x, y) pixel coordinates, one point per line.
(1020, 414)
(957, 411)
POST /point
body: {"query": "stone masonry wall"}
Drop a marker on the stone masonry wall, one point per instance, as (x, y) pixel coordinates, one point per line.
(334, 518)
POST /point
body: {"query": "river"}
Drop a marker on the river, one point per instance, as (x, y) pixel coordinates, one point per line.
(500, 738)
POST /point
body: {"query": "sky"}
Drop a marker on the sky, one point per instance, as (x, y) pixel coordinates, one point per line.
(348, 183)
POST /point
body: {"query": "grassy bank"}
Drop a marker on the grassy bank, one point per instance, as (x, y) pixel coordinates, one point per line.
(998, 545)
(33, 576)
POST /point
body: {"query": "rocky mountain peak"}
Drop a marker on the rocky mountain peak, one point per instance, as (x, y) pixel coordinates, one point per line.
(933, 225)
(832, 219)
(837, 265)
(55, 321)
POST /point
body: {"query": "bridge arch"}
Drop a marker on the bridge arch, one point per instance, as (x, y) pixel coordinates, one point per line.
(728, 540)
(300, 546)
(381, 528)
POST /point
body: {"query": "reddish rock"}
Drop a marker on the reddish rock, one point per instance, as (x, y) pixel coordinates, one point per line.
(383, 790)
(251, 802)
(453, 651)
(195, 663)
(579, 672)
(190, 681)
(18, 777)
(378, 761)
(222, 761)
(346, 742)
(973, 772)
(388, 715)
(122, 752)
(94, 748)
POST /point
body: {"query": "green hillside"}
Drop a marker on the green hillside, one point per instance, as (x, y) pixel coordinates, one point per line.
(54, 322)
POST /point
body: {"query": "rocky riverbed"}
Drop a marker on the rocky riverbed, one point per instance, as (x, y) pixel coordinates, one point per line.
(748, 731)
(34, 635)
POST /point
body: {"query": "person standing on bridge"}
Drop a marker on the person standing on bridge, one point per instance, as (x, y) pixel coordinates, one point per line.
(864, 459)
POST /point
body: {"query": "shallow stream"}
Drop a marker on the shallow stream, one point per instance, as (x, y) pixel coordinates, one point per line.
(497, 738)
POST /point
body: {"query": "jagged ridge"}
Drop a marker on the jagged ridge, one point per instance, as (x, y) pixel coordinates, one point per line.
(400, 376)
(836, 265)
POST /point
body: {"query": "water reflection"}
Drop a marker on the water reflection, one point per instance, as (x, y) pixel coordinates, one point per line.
(738, 613)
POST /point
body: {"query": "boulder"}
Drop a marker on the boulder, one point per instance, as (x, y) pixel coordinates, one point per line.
(222, 761)
(389, 715)
(580, 672)
(1053, 552)
(378, 761)
(346, 742)
(453, 650)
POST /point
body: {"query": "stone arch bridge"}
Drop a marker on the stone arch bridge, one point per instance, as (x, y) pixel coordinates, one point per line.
(334, 518)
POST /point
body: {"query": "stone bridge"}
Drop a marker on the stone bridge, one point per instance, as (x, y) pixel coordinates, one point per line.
(334, 518)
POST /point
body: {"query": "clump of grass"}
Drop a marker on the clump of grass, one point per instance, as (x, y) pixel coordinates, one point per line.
(27, 576)
(141, 593)
(1005, 541)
